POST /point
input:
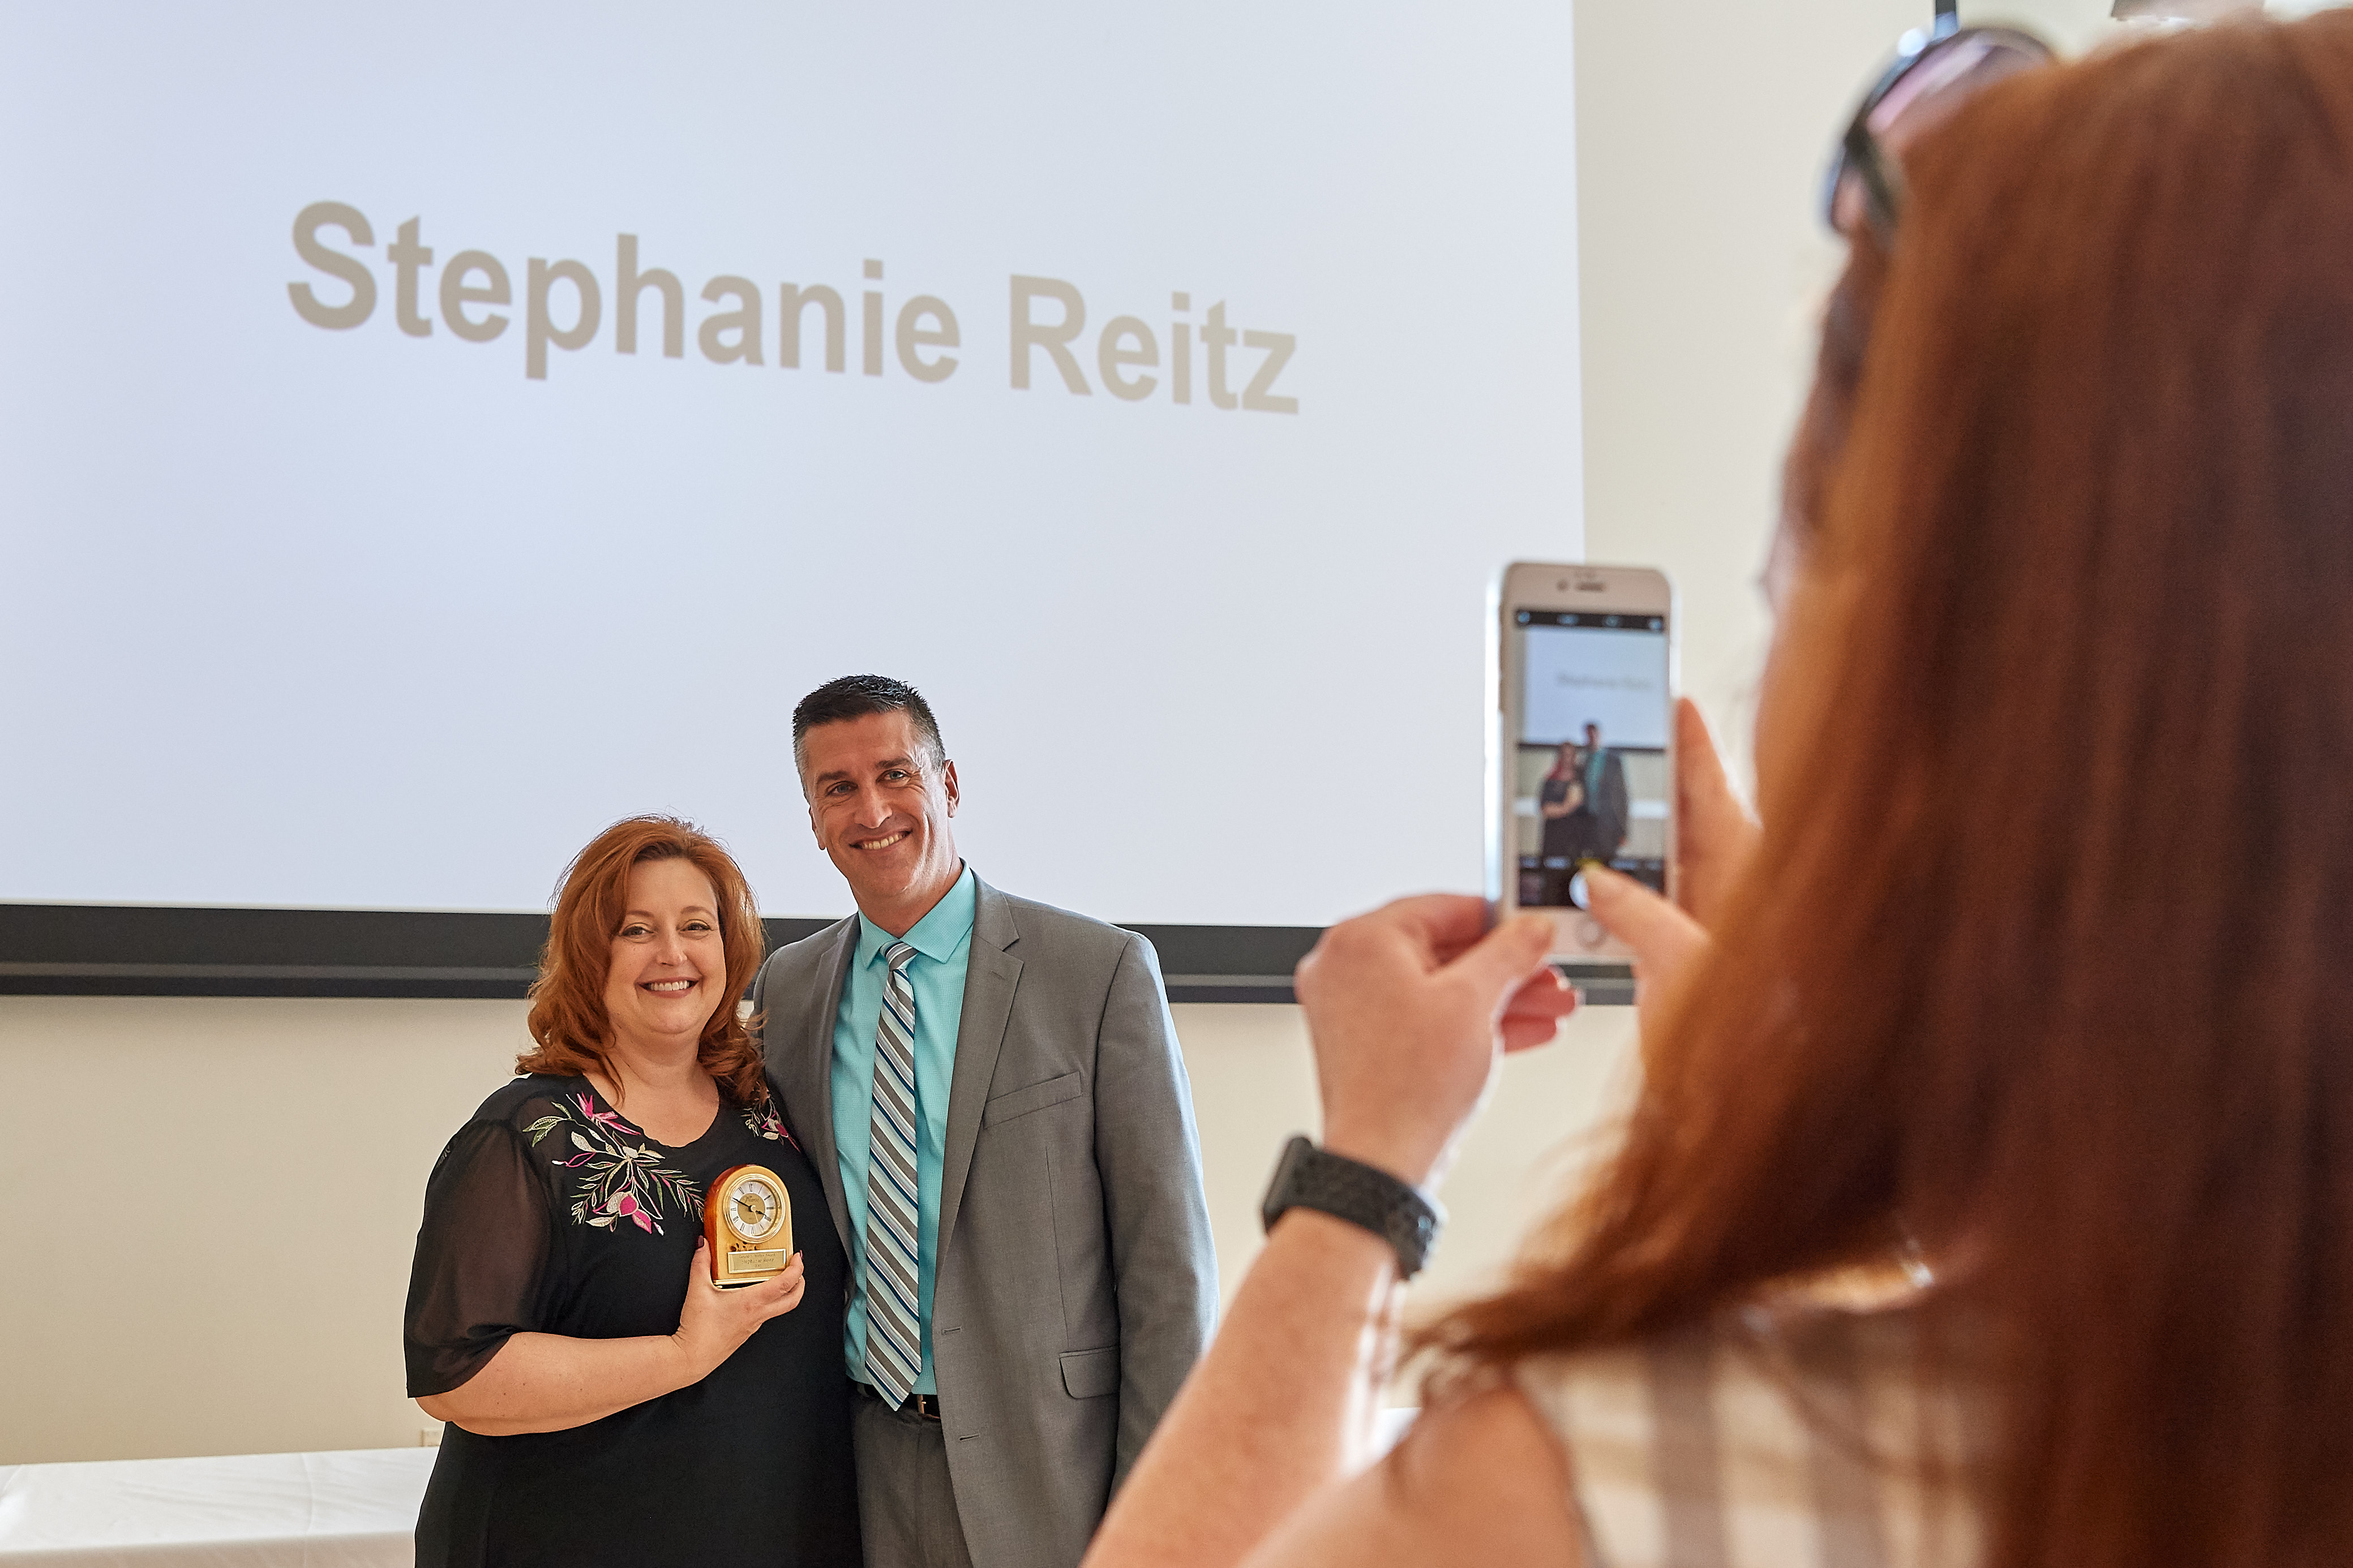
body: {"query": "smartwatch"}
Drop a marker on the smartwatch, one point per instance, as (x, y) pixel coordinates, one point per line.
(1307, 1177)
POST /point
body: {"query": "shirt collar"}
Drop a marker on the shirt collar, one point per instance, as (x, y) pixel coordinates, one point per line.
(938, 935)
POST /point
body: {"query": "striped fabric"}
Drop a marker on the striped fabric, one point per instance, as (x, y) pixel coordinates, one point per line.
(1804, 1441)
(894, 1356)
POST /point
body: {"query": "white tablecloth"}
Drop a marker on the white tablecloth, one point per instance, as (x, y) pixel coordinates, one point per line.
(353, 1510)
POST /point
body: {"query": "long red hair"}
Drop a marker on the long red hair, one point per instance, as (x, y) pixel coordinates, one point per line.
(2047, 954)
(567, 1001)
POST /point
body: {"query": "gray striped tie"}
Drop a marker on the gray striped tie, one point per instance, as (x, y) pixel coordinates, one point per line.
(894, 1353)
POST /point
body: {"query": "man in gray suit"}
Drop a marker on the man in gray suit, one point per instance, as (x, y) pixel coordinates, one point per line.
(1604, 773)
(991, 1091)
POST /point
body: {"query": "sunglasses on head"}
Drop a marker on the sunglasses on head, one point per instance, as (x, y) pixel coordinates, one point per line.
(1934, 71)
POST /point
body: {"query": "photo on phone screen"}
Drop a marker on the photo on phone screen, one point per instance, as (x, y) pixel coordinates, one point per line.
(1589, 766)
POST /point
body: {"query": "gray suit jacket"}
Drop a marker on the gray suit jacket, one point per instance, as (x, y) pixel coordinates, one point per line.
(1076, 1284)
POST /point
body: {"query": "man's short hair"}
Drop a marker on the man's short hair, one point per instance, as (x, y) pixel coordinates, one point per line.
(857, 696)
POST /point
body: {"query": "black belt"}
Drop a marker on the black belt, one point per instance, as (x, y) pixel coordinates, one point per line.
(923, 1407)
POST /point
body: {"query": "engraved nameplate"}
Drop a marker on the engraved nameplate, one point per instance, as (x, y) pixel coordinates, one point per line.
(766, 1262)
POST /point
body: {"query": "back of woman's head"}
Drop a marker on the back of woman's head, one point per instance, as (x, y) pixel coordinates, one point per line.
(2047, 955)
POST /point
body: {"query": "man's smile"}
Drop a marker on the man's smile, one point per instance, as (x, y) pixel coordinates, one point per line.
(884, 842)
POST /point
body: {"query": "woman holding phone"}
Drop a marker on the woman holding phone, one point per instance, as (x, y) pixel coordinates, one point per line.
(608, 1402)
(1988, 1201)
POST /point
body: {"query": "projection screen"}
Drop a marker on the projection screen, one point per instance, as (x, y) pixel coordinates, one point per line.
(430, 433)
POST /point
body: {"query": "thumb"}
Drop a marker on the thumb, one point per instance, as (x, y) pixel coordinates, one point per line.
(1702, 780)
(1506, 956)
(1659, 932)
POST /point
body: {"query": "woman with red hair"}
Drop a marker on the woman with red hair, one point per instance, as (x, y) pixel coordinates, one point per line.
(1988, 1200)
(605, 1401)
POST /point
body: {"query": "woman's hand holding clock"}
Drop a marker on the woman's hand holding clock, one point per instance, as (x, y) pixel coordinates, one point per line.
(714, 1321)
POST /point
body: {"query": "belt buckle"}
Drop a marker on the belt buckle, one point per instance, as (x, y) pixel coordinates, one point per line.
(926, 1406)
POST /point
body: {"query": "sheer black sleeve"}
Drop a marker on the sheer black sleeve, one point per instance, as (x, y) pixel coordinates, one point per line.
(482, 1255)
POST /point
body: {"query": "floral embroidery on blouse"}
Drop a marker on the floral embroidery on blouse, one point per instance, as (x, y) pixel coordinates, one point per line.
(618, 1181)
(764, 1122)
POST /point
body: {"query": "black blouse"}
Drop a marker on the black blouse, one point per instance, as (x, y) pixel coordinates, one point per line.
(549, 1212)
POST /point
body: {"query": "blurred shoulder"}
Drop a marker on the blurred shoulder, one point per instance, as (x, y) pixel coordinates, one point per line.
(1478, 1479)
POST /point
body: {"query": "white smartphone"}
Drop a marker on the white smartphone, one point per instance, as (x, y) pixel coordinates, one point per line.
(1580, 748)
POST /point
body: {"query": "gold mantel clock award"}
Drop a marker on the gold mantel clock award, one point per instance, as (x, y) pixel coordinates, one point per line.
(748, 1221)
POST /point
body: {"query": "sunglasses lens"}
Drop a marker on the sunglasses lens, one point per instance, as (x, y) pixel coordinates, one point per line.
(1921, 95)
(1944, 77)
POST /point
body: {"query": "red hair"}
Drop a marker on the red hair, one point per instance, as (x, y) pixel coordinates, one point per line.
(567, 1000)
(2047, 952)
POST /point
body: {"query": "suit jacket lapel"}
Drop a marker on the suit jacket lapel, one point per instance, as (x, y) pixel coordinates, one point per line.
(990, 977)
(808, 1076)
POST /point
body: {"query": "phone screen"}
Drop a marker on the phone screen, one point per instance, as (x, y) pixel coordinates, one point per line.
(1590, 777)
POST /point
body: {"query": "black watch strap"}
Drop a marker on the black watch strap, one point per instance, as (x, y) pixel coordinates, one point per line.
(1307, 1177)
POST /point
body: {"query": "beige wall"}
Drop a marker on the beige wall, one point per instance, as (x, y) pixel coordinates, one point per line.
(1702, 132)
(261, 1162)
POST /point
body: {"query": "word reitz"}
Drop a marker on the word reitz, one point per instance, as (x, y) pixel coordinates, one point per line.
(563, 308)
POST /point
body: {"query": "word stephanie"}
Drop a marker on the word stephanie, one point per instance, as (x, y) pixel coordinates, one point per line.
(563, 309)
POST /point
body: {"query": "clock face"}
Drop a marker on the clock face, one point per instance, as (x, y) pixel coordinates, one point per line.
(754, 1208)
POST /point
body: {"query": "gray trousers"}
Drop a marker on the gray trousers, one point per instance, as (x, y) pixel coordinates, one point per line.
(906, 1504)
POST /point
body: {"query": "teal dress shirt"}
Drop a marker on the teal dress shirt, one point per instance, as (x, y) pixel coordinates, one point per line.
(942, 944)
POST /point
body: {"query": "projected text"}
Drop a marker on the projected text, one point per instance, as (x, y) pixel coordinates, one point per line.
(564, 306)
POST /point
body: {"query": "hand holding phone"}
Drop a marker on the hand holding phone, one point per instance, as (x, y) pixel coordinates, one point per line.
(1406, 1008)
(1715, 837)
